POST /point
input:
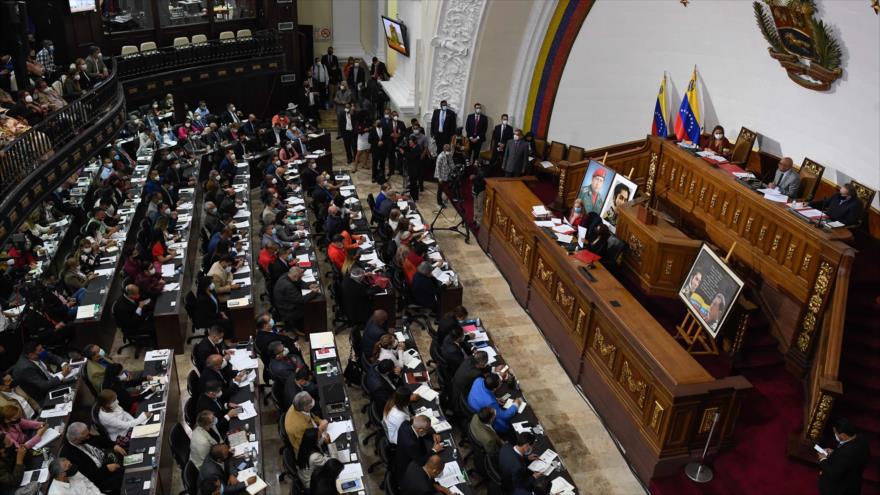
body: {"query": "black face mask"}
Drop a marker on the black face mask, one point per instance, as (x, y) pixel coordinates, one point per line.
(72, 470)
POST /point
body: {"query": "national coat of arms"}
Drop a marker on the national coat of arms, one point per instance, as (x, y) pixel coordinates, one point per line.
(803, 44)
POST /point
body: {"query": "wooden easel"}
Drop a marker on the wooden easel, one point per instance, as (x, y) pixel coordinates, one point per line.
(699, 342)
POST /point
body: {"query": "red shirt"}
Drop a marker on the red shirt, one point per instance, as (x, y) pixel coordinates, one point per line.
(158, 250)
(336, 255)
(411, 265)
(266, 258)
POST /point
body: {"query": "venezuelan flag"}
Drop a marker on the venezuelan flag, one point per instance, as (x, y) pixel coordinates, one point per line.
(658, 126)
(687, 124)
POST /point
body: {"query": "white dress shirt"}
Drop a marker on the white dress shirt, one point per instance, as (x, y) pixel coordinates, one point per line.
(118, 422)
(77, 484)
(392, 422)
(394, 355)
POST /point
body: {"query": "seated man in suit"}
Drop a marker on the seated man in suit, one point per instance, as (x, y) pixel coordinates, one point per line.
(212, 400)
(843, 466)
(219, 463)
(482, 431)
(786, 181)
(299, 418)
(454, 318)
(425, 289)
(31, 371)
(484, 393)
(842, 206)
(282, 363)
(416, 441)
(377, 326)
(382, 380)
(513, 465)
(204, 436)
(469, 370)
(13, 395)
(92, 455)
(419, 479)
(289, 300)
(218, 369)
(130, 313)
(267, 333)
(301, 381)
(97, 364)
(454, 349)
(211, 344)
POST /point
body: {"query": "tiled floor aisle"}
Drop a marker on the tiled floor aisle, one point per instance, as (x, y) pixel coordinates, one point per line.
(584, 444)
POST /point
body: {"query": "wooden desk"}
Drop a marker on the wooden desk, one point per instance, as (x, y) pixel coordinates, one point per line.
(654, 396)
(659, 255)
(777, 247)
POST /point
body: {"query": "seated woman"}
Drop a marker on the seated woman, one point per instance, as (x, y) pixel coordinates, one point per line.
(416, 256)
(73, 277)
(388, 348)
(351, 258)
(114, 418)
(149, 281)
(842, 206)
(126, 386)
(159, 248)
(17, 428)
(576, 213)
(88, 255)
(716, 142)
(312, 454)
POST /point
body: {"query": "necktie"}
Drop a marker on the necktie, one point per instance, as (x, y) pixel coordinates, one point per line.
(44, 369)
(442, 119)
(476, 124)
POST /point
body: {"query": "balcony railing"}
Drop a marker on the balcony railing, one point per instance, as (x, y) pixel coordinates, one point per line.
(24, 155)
(167, 59)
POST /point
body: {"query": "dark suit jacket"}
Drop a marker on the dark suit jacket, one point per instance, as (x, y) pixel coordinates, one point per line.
(372, 333)
(410, 448)
(448, 125)
(464, 377)
(263, 339)
(516, 156)
(127, 319)
(224, 376)
(374, 140)
(227, 117)
(100, 476)
(452, 353)
(356, 300)
(206, 312)
(415, 481)
(514, 470)
(380, 387)
(354, 80)
(212, 468)
(502, 137)
(32, 379)
(390, 129)
(842, 470)
(205, 348)
(289, 300)
(473, 130)
(445, 325)
(218, 407)
(424, 290)
(848, 212)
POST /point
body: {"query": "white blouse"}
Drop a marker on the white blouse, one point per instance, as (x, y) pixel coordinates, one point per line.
(392, 422)
(394, 355)
(117, 422)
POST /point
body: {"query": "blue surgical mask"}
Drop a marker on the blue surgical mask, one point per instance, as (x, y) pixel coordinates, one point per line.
(578, 209)
(44, 354)
(272, 322)
(215, 423)
(101, 353)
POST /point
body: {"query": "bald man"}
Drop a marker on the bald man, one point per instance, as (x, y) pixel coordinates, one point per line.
(786, 181)
(419, 480)
(131, 314)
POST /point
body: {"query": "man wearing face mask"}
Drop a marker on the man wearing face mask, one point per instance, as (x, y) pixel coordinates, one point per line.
(502, 133)
(379, 151)
(357, 78)
(97, 457)
(218, 369)
(130, 315)
(97, 363)
(32, 371)
(413, 158)
(347, 128)
(842, 467)
(219, 463)
(513, 464)
(475, 128)
(46, 58)
(67, 480)
(283, 363)
(231, 115)
(204, 436)
(443, 124)
(26, 108)
(516, 156)
(843, 206)
(212, 344)
(213, 399)
(95, 67)
(221, 274)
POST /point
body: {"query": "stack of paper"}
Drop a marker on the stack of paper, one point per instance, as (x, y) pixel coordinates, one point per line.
(87, 311)
(540, 211)
(321, 339)
(559, 486)
(146, 431)
(337, 428)
(248, 410)
(426, 392)
(451, 475)
(241, 360)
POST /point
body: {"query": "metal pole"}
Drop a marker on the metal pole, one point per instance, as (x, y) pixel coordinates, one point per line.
(697, 471)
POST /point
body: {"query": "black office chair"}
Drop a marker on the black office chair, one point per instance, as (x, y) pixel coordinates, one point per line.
(189, 411)
(289, 464)
(386, 454)
(192, 384)
(389, 484)
(180, 445)
(278, 399)
(285, 440)
(190, 479)
(199, 328)
(375, 420)
(296, 486)
(494, 476)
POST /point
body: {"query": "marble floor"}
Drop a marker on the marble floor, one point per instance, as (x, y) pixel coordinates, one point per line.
(586, 447)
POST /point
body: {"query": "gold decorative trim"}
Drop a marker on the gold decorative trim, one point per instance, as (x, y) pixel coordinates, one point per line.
(740, 333)
(635, 246)
(563, 299)
(775, 244)
(736, 216)
(561, 191)
(762, 232)
(814, 306)
(790, 253)
(580, 324)
(819, 416)
(545, 275)
(604, 350)
(656, 417)
(681, 179)
(712, 201)
(806, 264)
(749, 224)
(527, 251)
(652, 170)
(724, 208)
(667, 270)
(708, 417)
(702, 193)
(672, 176)
(634, 386)
(691, 187)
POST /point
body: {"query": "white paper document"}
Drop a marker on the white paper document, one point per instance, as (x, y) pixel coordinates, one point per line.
(241, 360)
(168, 270)
(451, 475)
(337, 428)
(426, 392)
(247, 410)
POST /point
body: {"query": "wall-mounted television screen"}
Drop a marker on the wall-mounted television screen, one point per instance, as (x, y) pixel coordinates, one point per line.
(395, 35)
(82, 5)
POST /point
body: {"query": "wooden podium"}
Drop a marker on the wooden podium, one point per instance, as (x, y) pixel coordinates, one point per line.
(659, 255)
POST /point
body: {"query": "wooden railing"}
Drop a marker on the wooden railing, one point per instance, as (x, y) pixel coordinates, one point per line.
(24, 155)
(823, 387)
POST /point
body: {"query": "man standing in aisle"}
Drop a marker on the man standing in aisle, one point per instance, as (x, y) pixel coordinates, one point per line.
(502, 133)
(378, 149)
(475, 130)
(331, 62)
(443, 125)
(516, 156)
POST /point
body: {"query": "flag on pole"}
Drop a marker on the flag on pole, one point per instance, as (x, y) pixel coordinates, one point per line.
(687, 124)
(658, 126)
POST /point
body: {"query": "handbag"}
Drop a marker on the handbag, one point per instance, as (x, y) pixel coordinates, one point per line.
(353, 371)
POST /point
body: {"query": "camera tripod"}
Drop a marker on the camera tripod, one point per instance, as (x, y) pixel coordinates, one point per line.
(456, 200)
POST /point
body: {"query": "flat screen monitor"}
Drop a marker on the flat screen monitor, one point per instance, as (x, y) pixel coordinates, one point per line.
(82, 5)
(395, 35)
(710, 289)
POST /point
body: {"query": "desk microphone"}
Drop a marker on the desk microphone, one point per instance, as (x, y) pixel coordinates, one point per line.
(587, 273)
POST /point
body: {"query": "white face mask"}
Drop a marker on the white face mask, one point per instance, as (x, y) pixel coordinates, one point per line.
(83, 66)
(76, 77)
(87, 250)
(395, 118)
(515, 137)
(718, 136)
(443, 108)
(504, 121)
(29, 99)
(211, 286)
(478, 111)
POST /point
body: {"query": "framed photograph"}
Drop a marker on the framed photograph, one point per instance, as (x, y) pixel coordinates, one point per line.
(82, 6)
(621, 191)
(395, 35)
(594, 188)
(710, 289)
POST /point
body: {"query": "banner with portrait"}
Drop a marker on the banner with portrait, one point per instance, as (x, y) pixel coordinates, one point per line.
(710, 290)
(594, 188)
(620, 192)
